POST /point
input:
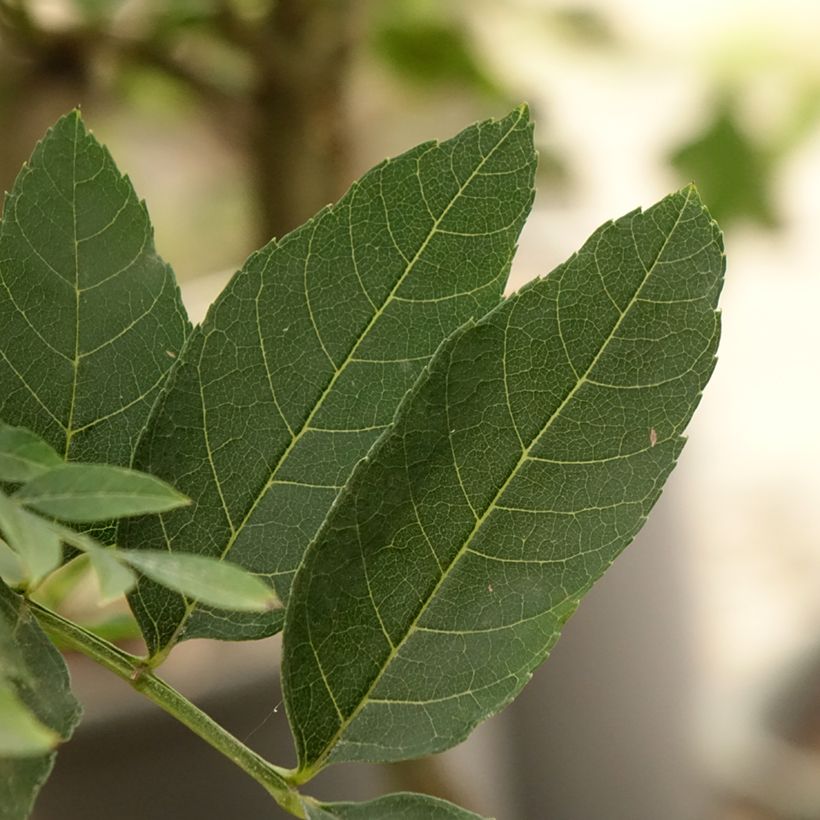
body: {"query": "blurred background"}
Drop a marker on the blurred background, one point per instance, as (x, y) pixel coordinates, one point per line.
(688, 684)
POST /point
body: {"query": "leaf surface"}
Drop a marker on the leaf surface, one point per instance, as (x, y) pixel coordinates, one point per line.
(517, 470)
(97, 492)
(91, 316)
(401, 806)
(24, 455)
(302, 361)
(38, 678)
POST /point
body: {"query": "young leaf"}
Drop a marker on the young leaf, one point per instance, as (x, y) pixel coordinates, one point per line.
(113, 577)
(91, 316)
(400, 806)
(97, 492)
(39, 679)
(521, 465)
(304, 358)
(24, 455)
(11, 567)
(211, 581)
(37, 546)
(21, 734)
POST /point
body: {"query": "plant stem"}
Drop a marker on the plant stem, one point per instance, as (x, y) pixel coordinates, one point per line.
(134, 671)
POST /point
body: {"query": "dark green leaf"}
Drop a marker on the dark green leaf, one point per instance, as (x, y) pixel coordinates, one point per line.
(208, 580)
(304, 358)
(516, 471)
(38, 677)
(24, 455)
(91, 316)
(97, 492)
(37, 546)
(402, 806)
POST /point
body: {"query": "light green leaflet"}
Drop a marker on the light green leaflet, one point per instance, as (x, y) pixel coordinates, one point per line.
(91, 316)
(37, 675)
(220, 583)
(519, 467)
(11, 567)
(37, 547)
(113, 578)
(399, 806)
(21, 734)
(95, 492)
(302, 361)
(24, 455)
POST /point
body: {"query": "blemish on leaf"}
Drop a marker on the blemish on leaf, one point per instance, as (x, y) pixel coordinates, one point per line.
(653, 437)
(170, 354)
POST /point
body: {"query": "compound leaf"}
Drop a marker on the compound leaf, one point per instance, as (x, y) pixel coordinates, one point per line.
(302, 361)
(34, 673)
(91, 316)
(523, 462)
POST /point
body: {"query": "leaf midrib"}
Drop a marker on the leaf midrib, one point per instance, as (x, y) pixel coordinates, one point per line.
(305, 772)
(75, 364)
(296, 438)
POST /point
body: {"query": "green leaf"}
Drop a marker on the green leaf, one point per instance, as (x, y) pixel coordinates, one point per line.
(21, 734)
(38, 678)
(37, 546)
(91, 316)
(24, 455)
(11, 567)
(97, 492)
(208, 580)
(517, 470)
(113, 578)
(400, 806)
(303, 360)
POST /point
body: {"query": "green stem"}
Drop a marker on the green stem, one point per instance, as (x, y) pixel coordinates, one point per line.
(134, 671)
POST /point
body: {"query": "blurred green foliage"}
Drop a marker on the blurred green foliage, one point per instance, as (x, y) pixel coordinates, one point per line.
(583, 26)
(431, 53)
(732, 170)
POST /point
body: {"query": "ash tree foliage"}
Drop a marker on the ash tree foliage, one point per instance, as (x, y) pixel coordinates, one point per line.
(363, 445)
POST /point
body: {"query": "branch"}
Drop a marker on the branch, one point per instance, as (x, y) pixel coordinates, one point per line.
(132, 670)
